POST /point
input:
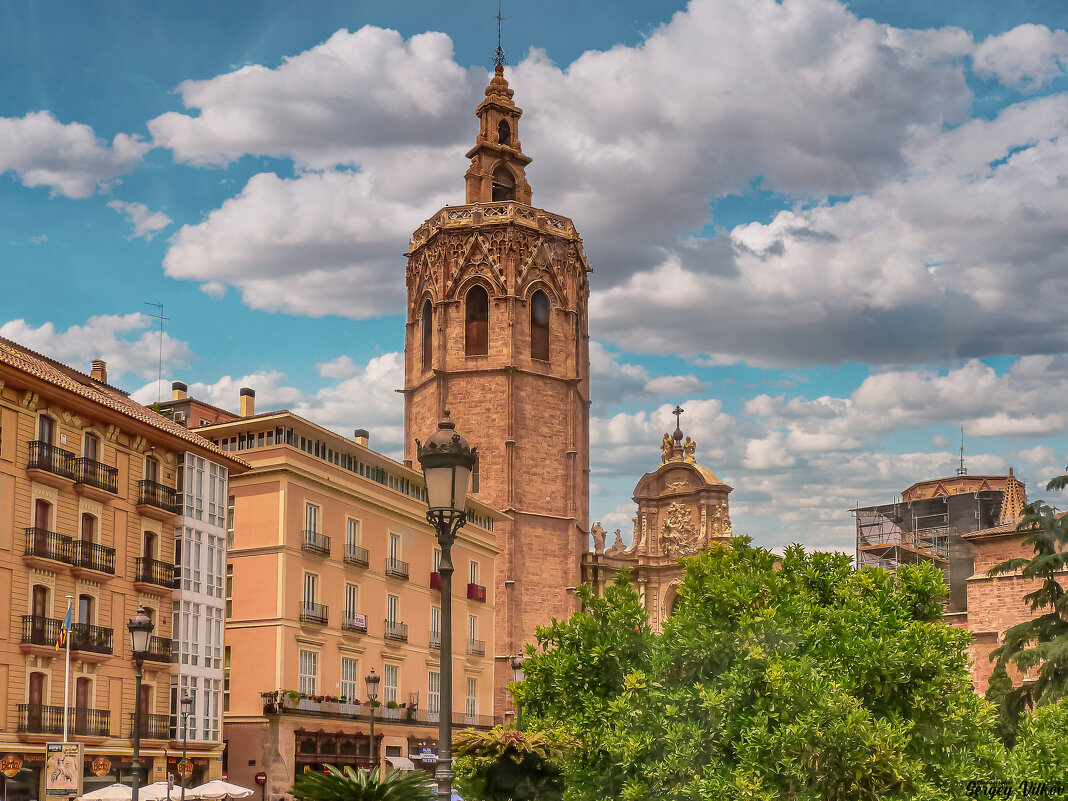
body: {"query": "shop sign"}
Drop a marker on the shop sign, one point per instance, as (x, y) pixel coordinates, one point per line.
(63, 769)
(10, 765)
(184, 768)
(99, 765)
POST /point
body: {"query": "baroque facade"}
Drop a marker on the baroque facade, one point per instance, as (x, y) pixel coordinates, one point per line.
(682, 510)
(497, 333)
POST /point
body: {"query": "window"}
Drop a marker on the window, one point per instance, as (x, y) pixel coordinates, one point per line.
(433, 693)
(311, 518)
(472, 576)
(309, 671)
(213, 584)
(91, 447)
(85, 609)
(352, 534)
(476, 326)
(503, 184)
(226, 679)
(427, 324)
(504, 133)
(194, 487)
(350, 672)
(311, 587)
(394, 546)
(390, 683)
(437, 560)
(216, 494)
(45, 429)
(539, 326)
(230, 508)
(352, 601)
(191, 561)
(472, 628)
(229, 591)
(391, 608)
(471, 701)
(435, 622)
(151, 469)
(88, 527)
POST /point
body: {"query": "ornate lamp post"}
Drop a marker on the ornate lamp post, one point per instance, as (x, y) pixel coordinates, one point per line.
(140, 626)
(517, 676)
(447, 461)
(371, 680)
(187, 710)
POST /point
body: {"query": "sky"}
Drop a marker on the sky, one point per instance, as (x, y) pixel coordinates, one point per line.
(834, 232)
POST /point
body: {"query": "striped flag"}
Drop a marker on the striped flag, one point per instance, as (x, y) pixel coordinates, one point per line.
(61, 640)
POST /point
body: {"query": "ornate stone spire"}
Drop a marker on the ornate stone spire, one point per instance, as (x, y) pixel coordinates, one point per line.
(1012, 503)
(498, 164)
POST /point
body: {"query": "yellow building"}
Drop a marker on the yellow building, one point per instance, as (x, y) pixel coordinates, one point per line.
(88, 512)
(332, 574)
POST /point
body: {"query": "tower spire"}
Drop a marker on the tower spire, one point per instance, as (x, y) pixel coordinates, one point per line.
(499, 58)
(962, 470)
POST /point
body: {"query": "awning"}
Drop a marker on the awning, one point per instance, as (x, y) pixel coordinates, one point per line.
(400, 763)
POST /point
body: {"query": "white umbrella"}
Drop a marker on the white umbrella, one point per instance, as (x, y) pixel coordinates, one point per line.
(157, 791)
(113, 792)
(218, 789)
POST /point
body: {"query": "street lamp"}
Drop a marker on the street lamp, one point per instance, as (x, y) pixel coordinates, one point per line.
(517, 676)
(371, 681)
(187, 710)
(140, 626)
(447, 461)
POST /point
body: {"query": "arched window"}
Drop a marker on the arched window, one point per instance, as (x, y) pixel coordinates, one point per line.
(476, 328)
(504, 133)
(428, 335)
(503, 184)
(539, 326)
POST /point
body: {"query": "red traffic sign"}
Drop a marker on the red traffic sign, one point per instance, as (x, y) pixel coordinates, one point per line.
(261, 778)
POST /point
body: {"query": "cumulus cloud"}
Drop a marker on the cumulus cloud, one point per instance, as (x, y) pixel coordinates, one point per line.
(68, 158)
(1023, 58)
(146, 223)
(127, 342)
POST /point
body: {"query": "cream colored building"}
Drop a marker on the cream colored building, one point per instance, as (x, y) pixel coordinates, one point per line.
(88, 508)
(331, 574)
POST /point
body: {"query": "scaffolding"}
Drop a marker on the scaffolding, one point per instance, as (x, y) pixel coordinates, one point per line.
(883, 542)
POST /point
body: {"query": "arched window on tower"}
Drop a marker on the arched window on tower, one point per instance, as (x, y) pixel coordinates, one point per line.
(503, 184)
(504, 133)
(428, 335)
(476, 328)
(539, 326)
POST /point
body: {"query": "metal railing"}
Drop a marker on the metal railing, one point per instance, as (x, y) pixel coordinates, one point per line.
(159, 649)
(354, 622)
(395, 630)
(153, 727)
(86, 637)
(47, 457)
(397, 569)
(355, 555)
(93, 556)
(153, 571)
(46, 544)
(152, 493)
(314, 613)
(435, 639)
(316, 543)
(96, 474)
(476, 647)
(41, 719)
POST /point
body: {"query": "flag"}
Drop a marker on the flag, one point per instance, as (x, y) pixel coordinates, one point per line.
(61, 640)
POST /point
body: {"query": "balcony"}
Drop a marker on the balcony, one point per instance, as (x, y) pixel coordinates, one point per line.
(50, 465)
(93, 556)
(355, 555)
(153, 576)
(153, 727)
(283, 702)
(44, 547)
(354, 622)
(40, 719)
(435, 581)
(314, 542)
(85, 638)
(314, 613)
(95, 479)
(396, 631)
(395, 568)
(435, 640)
(476, 647)
(157, 501)
(159, 650)
(476, 592)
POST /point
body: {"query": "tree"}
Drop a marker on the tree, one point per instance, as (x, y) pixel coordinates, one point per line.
(1041, 751)
(351, 785)
(1042, 641)
(791, 679)
(508, 765)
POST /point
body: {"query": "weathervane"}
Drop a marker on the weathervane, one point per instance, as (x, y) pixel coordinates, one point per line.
(499, 59)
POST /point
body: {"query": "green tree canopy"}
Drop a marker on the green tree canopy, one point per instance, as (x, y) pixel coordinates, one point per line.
(791, 679)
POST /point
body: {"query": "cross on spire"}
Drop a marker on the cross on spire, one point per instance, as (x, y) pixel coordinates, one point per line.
(677, 411)
(499, 59)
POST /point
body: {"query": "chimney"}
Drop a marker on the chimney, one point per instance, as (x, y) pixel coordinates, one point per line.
(179, 391)
(100, 371)
(248, 402)
(362, 437)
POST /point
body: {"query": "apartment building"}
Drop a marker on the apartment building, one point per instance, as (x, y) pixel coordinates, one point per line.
(331, 573)
(89, 505)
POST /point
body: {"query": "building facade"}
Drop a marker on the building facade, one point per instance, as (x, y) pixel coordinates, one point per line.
(497, 333)
(88, 508)
(330, 574)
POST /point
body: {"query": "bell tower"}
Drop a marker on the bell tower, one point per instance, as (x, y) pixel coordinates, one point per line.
(497, 333)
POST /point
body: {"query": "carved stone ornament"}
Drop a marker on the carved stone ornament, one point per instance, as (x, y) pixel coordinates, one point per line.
(598, 533)
(678, 535)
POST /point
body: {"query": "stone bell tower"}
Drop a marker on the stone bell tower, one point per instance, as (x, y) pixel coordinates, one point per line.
(497, 333)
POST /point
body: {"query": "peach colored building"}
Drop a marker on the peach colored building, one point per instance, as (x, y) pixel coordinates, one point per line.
(332, 574)
(88, 509)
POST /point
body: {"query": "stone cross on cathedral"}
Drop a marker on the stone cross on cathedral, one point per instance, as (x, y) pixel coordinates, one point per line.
(677, 411)
(499, 59)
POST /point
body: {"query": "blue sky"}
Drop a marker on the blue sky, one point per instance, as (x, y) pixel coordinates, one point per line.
(833, 231)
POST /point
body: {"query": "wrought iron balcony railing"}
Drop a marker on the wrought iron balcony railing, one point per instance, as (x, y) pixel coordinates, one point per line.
(46, 544)
(315, 542)
(314, 613)
(153, 571)
(159, 649)
(37, 630)
(47, 457)
(476, 647)
(93, 556)
(354, 622)
(435, 639)
(83, 722)
(397, 631)
(355, 555)
(152, 493)
(397, 569)
(153, 727)
(96, 474)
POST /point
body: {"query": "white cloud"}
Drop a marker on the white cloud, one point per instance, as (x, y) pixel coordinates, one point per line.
(341, 367)
(40, 239)
(129, 343)
(67, 158)
(1023, 58)
(146, 223)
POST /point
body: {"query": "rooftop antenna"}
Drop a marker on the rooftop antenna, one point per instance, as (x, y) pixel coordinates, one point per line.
(962, 470)
(499, 59)
(159, 378)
